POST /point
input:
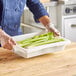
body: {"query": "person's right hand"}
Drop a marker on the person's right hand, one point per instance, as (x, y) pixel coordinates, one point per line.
(6, 41)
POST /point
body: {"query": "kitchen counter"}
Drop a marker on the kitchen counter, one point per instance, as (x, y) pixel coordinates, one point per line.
(62, 63)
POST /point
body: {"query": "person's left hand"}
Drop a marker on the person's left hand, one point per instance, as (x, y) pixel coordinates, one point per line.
(51, 28)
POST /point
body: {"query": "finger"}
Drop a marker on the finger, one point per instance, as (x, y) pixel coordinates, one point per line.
(8, 46)
(57, 33)
(13, 42)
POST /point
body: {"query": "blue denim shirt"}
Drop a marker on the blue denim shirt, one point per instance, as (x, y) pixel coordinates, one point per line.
(11, 11)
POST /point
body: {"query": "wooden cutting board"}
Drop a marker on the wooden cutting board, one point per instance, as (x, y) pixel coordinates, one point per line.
(61, 63)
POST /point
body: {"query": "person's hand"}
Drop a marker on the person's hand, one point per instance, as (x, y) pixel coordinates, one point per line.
(51, 28)
(6, 41)
(45, 20)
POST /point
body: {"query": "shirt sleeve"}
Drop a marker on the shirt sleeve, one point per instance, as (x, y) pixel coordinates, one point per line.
(37, 9)
(0, 27)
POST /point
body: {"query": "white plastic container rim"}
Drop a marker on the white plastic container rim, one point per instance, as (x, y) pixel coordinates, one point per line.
(23, 51)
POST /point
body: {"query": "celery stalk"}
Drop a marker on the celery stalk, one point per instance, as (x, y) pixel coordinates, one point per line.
(39, 40)
(46, 42)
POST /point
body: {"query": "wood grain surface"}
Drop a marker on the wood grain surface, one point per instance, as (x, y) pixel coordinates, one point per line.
(62, 63)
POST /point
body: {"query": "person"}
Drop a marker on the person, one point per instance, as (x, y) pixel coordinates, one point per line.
(10, 15)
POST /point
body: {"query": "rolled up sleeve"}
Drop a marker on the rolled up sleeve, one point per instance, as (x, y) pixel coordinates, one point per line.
(37, 9)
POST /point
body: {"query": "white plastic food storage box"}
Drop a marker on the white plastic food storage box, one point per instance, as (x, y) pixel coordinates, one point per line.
(38, 50)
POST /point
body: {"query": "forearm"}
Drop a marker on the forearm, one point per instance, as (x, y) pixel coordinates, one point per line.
(45, 20)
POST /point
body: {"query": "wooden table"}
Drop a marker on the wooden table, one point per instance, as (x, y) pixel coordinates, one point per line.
(61, 63)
